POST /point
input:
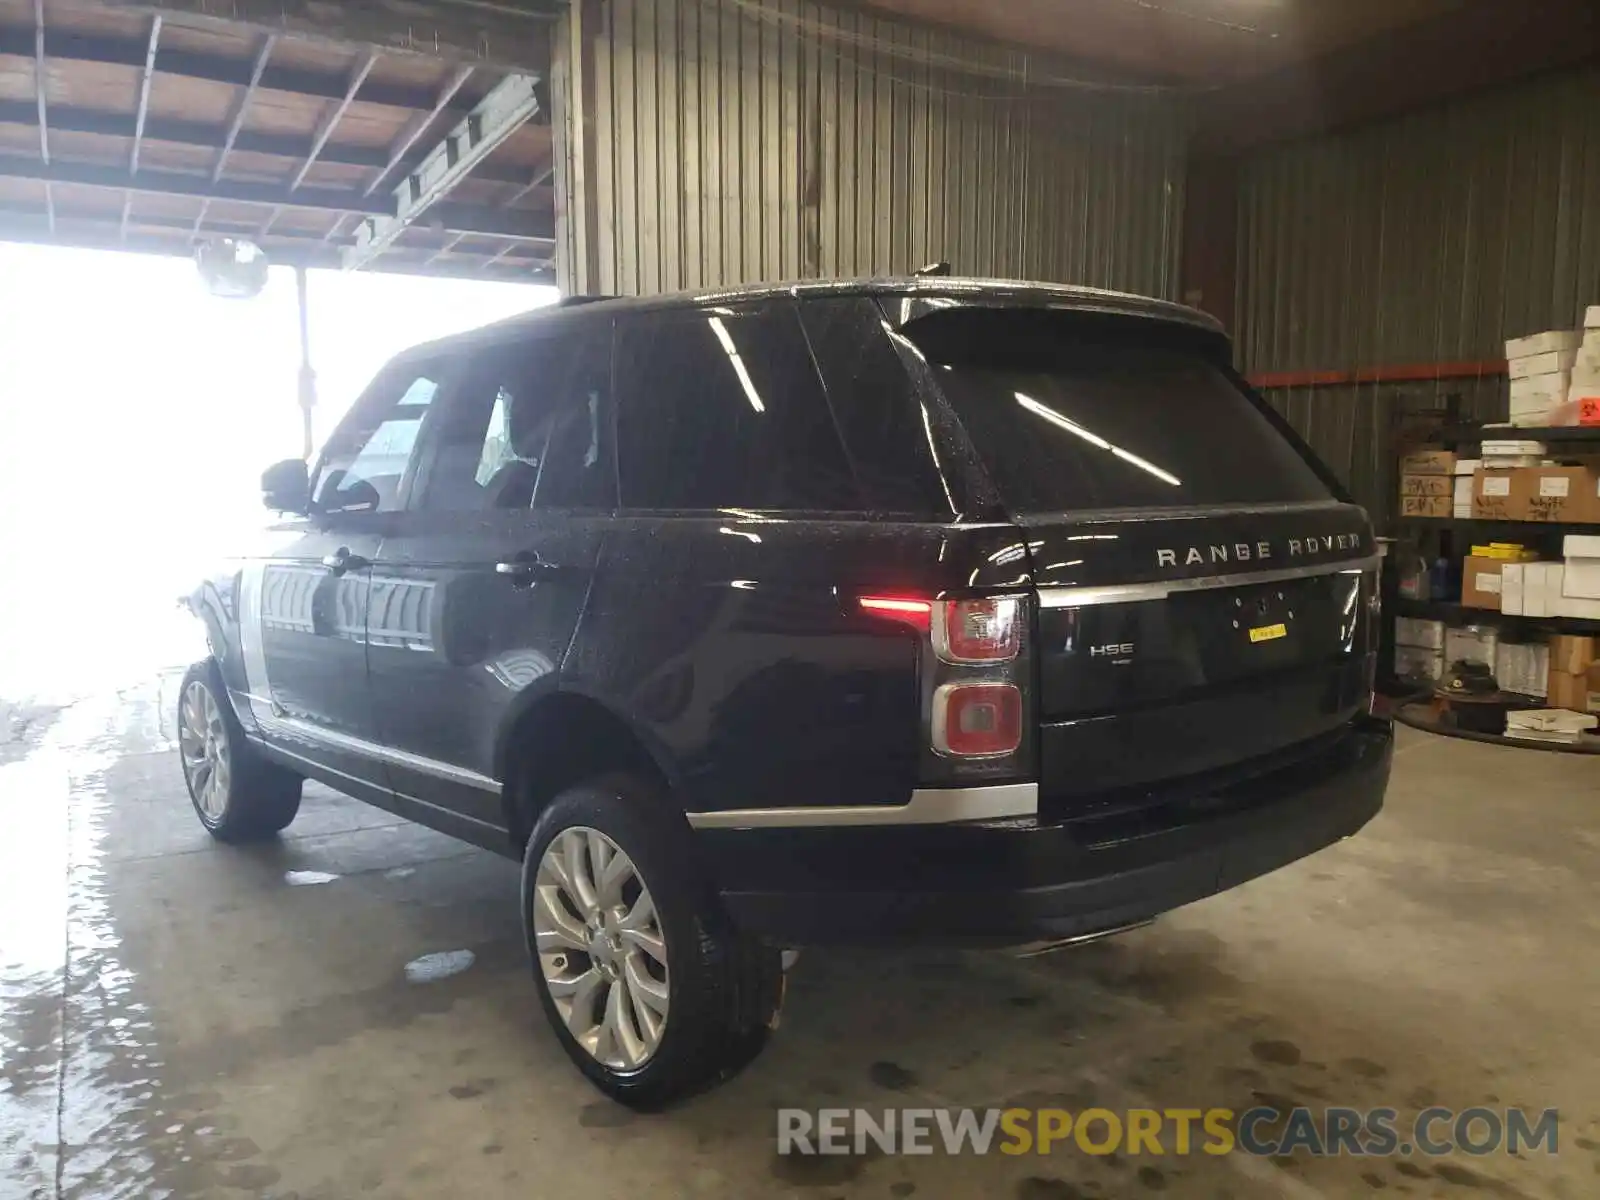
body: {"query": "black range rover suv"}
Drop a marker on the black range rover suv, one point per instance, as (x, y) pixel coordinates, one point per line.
(911, 609)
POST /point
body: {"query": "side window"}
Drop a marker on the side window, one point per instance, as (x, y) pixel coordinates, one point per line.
(526, 428)
(722, 408)
(367, 458)
(875, 403)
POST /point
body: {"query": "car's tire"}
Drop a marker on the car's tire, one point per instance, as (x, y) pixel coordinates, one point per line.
(238, 795)
(658, 995)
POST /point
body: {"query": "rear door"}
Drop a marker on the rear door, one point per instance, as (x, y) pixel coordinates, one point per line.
(480, 583)
(1203, 587)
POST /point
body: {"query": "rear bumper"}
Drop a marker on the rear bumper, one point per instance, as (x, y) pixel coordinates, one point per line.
(1020, 880)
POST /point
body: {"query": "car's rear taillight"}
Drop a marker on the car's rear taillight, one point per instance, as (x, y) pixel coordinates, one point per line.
(975, 673)
(984, 630)
(977, 720)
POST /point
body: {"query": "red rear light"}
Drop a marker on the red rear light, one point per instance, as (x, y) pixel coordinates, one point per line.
(898, 608)
(978, 631)
(977, 720)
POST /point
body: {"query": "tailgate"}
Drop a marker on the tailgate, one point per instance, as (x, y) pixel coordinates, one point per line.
(1265, 642)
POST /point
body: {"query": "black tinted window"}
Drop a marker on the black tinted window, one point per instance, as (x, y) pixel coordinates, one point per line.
(722, 408)
(366, 459)
(1073, 412)
(873, 403)
(527, 427)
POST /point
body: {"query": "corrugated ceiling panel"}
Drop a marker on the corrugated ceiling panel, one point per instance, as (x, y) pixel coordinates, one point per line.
(736, 141)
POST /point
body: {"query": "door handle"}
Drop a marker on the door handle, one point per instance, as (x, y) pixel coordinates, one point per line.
(341, 560)
(524, 569)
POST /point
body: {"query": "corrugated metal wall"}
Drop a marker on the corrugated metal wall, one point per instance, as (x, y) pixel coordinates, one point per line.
(1430, 238)
(729, 141)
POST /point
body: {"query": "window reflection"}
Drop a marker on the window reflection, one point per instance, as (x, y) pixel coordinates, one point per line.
(1094, 439)
(728, 348)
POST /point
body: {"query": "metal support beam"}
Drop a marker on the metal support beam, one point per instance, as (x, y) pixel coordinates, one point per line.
(408, 139)
(41, 104)
(202, 135)
(507, 107)
(511, 35)
(236, 122)
(71, 46)
(538, 181)
(308, 377)
(450, 243)
(357, 78)
(156, 183)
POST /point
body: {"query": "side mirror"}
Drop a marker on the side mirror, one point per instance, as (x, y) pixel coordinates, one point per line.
(286, 487)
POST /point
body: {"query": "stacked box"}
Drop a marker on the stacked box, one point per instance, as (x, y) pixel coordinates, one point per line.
(1461, 501)
(1570, 659)
(1523, 668)
(1540, 367)
(1583, 390)
(1427, 487)
(1419, 649)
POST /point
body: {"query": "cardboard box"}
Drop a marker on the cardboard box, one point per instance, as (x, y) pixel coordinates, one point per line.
(1591, 679)
(1502, 446)
(1428, 462)
(1419, 663)
(1544, 343)
(1542, 590)
(1581, 579)
(1427, 485)
(1589, 410)
(1427, 506)
(1542, 364)
(1577, 607)
(1467, 467)
(1591, 318)
(1540, 391)
(1512, 584)
(1419, 632)
(1523, 668)
(1571, 653)
(1566, 690)
(1480, 582)
(1561, 493)
(1495, 496)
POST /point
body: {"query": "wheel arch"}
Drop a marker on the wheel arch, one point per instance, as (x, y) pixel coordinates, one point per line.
(555, 738)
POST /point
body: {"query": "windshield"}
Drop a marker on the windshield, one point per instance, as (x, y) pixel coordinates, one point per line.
(1075, 412)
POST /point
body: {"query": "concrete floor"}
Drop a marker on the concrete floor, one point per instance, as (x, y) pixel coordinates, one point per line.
(178, 1018)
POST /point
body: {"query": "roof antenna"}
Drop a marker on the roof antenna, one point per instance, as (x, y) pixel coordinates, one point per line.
(934, 268)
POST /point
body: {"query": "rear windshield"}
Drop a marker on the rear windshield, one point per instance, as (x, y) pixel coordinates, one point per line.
(1070, 411)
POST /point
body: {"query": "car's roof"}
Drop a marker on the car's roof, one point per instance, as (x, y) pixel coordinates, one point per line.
(584, 309)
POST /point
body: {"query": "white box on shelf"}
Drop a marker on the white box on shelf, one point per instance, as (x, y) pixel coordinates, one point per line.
(1419, 631)
(1578, 608)
(1471, 643)
(1534, 391)
(1591, 318)
(1463, 492)
(1581, 579)
(1418, 662)
(1542, 364)
(1515, 446)
(1512, 584)
(1539, 671)
(1535, 590)
(1466, 466)
(1580, 545)
(1552, 340)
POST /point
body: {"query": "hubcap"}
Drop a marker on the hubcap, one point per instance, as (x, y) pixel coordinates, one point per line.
(203, 745)
(600, 948)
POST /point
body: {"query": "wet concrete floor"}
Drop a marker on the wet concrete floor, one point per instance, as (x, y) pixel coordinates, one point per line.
(346, 1012)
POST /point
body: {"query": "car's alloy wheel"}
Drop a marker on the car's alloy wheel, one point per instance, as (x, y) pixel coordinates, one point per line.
(601, 948)
(203, 743)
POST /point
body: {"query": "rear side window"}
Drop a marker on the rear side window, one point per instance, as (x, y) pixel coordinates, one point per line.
(722, 408)
(1072, 411)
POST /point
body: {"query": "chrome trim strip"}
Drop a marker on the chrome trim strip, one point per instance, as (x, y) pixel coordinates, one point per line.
(928, 806)
(388, 754)
(1160, 589)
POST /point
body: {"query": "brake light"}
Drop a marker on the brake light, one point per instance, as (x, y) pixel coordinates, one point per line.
(987, 630)
(977, 720)
(912, 612)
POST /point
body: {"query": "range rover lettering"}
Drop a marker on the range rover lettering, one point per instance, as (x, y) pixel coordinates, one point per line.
(908, 610)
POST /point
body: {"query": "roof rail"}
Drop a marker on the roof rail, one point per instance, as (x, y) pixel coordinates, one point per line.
(574, 301)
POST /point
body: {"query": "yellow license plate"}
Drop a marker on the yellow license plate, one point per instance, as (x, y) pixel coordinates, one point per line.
(1267, 633)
